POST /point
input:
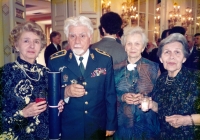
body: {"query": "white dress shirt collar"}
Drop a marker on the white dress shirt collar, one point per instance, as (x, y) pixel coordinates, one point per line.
(109, 37)
(55, 46)
(85, 58)
(191, 49)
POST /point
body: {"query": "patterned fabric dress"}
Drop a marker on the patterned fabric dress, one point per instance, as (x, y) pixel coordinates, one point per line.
(178, 98)
(134, 124)
(19, 89)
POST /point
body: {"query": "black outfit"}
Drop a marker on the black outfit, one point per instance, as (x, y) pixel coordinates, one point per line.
(51, 49)
(194, 59)
(145, 54)
(179, 97)
(153, 57)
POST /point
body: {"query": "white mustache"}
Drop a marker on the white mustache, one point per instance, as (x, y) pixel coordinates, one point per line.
(77, 46)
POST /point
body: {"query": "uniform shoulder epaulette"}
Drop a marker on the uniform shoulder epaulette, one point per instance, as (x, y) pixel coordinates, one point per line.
(102, 52)
(58, 54)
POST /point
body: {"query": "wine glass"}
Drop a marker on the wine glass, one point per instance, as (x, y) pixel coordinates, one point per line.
(40, 96)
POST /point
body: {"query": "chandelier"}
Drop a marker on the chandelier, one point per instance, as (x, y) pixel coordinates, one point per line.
(197, 23)
(174, 15)
(129, 13)
(157, 17)
(187, 18)
(105, 6)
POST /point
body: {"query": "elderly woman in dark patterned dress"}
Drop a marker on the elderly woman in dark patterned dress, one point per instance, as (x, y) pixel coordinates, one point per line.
(176, 91)
(133, 78)
(22, 117)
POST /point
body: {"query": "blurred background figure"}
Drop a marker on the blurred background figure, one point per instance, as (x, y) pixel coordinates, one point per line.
(177, 29)
(153, 55)
(148, 49)
(111, 24)
(55, 38)
(190, 41)
(165, 33)
(194, 59)
(101, 31)
(119, 35)
(151, 46)
(65, 45)
(158, 41)
(197, 40)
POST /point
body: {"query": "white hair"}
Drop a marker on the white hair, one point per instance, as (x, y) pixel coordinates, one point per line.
(77, 21)
(132, 31)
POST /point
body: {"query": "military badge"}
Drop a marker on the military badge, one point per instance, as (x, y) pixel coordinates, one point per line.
(92, 56)
(61, 68)
(65, 78)
(98, 72)
(79, 80)
(73, 81)
(70, 55)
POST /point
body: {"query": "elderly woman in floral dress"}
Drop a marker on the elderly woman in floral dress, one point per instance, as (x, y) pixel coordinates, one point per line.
(176, 95)
(22, 117)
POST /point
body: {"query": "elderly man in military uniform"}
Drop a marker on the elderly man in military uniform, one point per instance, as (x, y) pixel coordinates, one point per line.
(87, 85)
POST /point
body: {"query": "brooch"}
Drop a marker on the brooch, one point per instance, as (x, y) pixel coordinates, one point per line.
(131, 67)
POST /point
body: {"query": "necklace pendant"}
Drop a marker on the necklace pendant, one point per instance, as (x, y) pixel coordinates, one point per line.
(168, 81)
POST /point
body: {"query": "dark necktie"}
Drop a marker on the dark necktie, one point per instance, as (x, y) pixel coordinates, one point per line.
(81, 65)
(58, 47)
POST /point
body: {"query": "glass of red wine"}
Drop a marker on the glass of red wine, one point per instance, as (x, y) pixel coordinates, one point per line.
(40, 96)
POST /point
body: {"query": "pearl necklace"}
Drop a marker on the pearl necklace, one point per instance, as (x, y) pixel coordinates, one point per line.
(24, 70)
(168, 81)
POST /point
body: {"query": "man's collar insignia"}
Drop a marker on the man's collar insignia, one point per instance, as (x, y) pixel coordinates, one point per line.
(70, 55)
(92, 56)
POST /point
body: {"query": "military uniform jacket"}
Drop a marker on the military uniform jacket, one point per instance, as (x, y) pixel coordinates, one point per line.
(89, 116)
